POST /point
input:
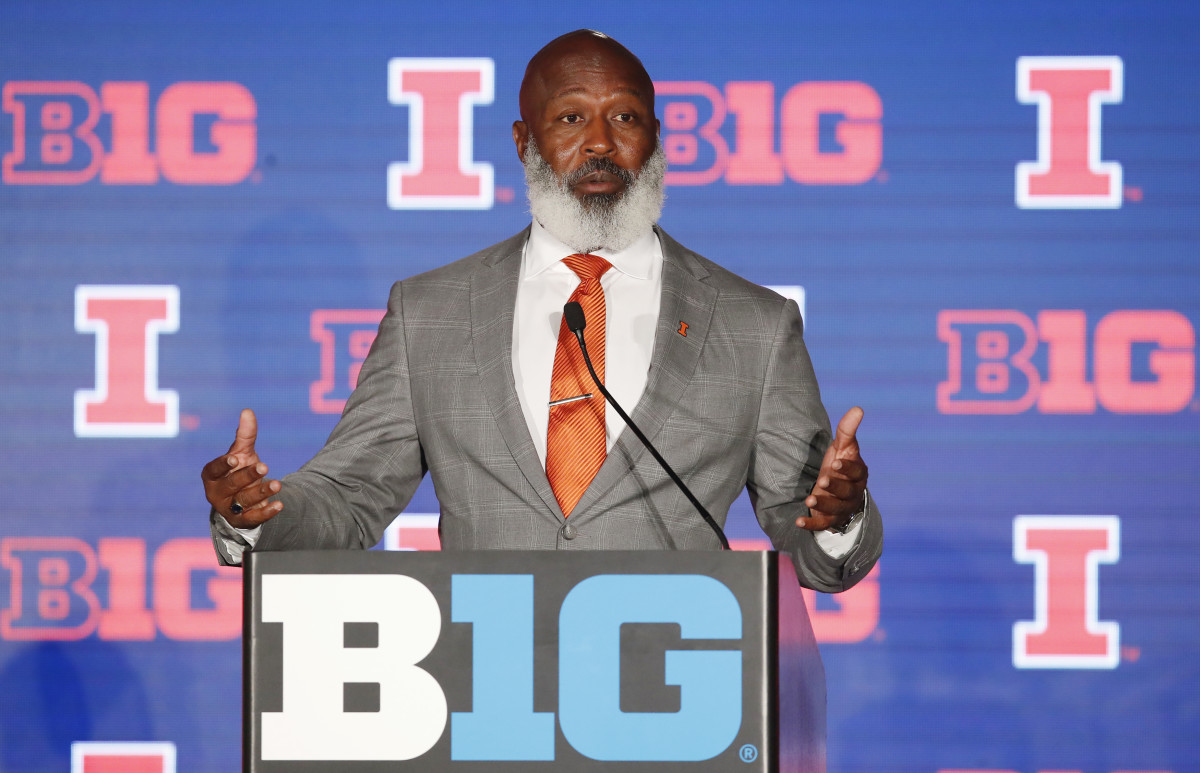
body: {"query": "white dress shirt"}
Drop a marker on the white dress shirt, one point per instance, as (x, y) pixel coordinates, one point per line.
(632, 294)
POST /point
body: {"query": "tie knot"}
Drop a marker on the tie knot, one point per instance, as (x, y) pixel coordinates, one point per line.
(587, 267)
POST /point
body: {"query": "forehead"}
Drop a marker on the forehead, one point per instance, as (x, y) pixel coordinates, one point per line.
(592, 71)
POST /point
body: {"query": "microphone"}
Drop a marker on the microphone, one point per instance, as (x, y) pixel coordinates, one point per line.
(573, 314)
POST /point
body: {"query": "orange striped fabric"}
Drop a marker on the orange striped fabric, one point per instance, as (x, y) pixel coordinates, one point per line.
(575, 446)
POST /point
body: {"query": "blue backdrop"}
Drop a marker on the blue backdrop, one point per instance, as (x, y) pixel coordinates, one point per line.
(988, 209)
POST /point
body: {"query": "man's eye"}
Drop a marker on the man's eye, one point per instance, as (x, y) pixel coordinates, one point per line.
(625, 117)
(572, 118)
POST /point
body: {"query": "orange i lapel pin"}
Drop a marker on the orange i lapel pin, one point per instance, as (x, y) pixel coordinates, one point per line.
(683, 326)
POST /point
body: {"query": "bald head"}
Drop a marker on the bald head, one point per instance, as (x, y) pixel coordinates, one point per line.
(581, 48)
(587, 100)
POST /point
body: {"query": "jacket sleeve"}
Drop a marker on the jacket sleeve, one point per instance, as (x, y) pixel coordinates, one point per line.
(369, 467)
(790, 440)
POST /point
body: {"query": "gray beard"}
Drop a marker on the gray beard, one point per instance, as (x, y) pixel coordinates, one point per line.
(601, 221)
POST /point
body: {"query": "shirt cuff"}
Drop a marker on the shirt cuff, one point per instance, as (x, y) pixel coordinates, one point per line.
(838, 545)
(235, 541)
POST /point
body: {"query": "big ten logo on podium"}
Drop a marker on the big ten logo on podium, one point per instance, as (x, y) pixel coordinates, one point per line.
(352, 688)
(816, 133)
(1005, 362)
(64, 589)
(65, 133)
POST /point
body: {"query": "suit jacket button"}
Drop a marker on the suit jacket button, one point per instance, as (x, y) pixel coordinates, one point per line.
(569, 532)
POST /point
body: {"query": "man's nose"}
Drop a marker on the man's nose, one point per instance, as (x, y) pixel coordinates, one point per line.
(598, 140)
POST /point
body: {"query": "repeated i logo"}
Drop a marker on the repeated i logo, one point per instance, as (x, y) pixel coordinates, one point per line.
(126, 321)
(1069, 92)
(1066, 551)
(122, 757)
(441, 95)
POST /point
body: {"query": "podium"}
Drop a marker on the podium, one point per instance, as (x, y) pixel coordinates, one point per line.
(529, 661)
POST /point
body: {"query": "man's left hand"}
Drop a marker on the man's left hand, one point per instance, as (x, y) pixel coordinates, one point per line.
(842, 481)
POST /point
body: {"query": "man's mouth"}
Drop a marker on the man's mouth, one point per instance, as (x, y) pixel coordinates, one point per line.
(599, 182)
(599, 177)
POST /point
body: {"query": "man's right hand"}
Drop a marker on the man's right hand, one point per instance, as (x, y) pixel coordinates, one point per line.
(237, 480)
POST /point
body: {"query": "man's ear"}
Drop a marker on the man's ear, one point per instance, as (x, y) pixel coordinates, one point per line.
(520, 138)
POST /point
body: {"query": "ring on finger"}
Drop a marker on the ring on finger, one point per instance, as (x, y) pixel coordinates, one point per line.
(236, 508)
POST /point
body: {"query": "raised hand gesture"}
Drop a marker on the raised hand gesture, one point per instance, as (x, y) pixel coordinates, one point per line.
(841, 483)
(235, 483)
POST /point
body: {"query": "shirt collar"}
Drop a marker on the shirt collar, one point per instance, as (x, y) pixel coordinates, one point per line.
(638, 260)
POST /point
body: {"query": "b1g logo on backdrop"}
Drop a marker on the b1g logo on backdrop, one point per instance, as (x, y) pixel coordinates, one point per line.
(345, 337)
(1069, 92)
(1003, 361)
(65, 589)
(829, 133)
(204, 133)
(352, 689)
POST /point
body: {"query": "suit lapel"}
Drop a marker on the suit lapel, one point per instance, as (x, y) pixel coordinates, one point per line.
(686, 298)
(493, 303)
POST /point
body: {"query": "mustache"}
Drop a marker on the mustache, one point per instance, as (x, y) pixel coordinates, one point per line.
(609, 220)
(598, 164)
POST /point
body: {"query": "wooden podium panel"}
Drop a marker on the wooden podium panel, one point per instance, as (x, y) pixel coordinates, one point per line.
(526, 661)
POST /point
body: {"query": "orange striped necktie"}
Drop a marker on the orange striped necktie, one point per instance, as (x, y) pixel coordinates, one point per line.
(575, 444)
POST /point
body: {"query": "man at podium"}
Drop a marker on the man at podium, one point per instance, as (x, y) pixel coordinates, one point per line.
(476, 377)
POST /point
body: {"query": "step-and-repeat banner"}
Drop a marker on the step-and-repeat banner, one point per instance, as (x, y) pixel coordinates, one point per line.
(987, 211)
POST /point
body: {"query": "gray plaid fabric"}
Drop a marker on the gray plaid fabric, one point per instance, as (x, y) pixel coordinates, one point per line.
(733, 404)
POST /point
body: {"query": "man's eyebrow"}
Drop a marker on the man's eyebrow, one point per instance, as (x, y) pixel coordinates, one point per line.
(581, 90)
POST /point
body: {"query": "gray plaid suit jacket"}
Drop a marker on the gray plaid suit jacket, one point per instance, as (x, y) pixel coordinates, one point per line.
(733, 404)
